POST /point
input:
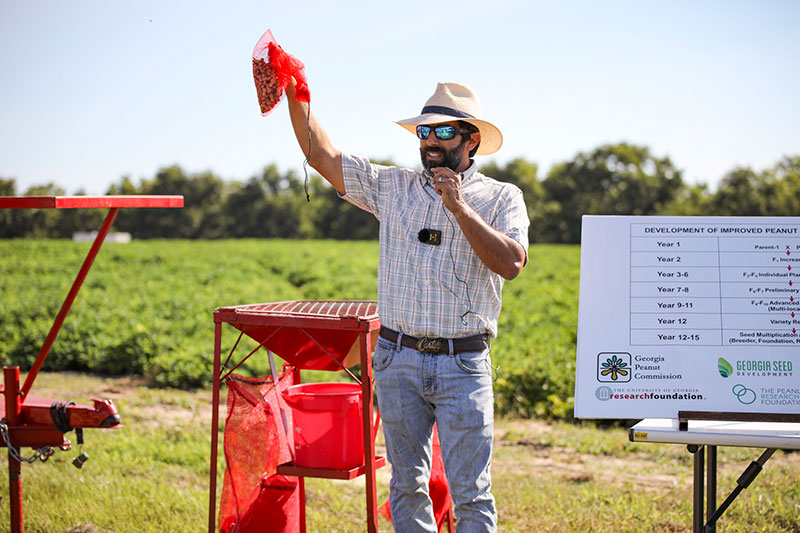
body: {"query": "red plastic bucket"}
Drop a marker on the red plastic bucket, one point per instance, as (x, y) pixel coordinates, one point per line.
(328, 429)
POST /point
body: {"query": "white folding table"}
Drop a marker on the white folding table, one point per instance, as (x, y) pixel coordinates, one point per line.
(701, 434)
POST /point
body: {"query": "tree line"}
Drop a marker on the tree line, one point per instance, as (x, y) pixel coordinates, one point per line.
(619, 179)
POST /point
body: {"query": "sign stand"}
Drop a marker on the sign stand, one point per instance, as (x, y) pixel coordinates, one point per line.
(714, 513)
(685, 416)
(706, 433)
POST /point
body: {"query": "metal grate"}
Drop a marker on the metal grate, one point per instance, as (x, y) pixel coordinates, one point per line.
(364, 310)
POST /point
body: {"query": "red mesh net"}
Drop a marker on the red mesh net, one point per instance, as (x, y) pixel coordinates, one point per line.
(255, 444)
(438, 488)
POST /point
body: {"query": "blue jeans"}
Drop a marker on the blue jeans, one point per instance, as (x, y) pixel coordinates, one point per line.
(415, 390)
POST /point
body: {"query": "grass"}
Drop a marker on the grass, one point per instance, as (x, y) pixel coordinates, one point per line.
(152, 475)
(137, 316)
(146, 308)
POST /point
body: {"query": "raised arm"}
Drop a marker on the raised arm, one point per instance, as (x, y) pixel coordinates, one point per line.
(323, 156)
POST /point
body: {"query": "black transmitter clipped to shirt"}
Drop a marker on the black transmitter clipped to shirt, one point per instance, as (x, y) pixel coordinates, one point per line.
(430, 236)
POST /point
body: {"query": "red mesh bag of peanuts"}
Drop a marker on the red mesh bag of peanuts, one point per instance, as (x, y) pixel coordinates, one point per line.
(272, 70)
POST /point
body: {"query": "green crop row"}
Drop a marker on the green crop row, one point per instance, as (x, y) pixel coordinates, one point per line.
(146, 308)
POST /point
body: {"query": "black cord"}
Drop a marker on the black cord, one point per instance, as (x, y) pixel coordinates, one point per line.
(305, 163)
(455, 272)
(426, 172)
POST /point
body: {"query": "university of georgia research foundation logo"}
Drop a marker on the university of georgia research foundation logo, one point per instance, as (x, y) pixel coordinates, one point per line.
(603, 393)
(613, 367)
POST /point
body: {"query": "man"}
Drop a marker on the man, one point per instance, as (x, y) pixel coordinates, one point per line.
(449, 237)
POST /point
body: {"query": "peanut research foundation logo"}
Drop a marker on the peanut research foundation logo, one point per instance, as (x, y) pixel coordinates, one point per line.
(743, 394)
(613, 367)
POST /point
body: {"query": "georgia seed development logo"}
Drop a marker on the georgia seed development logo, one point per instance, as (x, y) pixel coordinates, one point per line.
(724, 367)
(614, 367)
(743, 394)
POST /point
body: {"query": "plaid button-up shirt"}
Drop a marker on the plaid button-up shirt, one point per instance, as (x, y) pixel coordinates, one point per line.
(426, 290)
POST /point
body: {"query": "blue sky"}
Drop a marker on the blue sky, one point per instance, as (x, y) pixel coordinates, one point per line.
(95, 90)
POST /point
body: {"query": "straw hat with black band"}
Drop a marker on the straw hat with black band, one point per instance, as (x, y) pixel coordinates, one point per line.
(455, 101)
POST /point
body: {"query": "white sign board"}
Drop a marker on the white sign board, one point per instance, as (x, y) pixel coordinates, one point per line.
(688, 313)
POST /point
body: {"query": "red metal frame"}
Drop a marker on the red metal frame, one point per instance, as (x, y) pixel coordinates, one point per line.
(29, 421)
(361, 317)
(13, 412)
(67, 305)
(75, 202)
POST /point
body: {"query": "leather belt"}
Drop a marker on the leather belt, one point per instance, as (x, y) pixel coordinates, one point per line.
(473, 343)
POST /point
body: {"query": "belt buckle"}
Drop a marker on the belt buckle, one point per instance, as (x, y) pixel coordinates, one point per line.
(429, 345)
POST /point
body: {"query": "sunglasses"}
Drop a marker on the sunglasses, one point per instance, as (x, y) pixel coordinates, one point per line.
(444, 133)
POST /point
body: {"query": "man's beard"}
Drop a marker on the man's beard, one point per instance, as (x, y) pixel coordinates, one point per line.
(450, 158)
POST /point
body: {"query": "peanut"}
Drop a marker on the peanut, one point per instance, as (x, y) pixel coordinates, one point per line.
(267, 87)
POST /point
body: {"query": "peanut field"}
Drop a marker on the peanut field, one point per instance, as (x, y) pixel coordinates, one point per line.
(146, 308)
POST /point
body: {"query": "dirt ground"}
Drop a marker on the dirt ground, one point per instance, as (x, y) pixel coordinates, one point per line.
(518, 442)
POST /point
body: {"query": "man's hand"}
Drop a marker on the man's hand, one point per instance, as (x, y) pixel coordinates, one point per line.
(447, 184)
